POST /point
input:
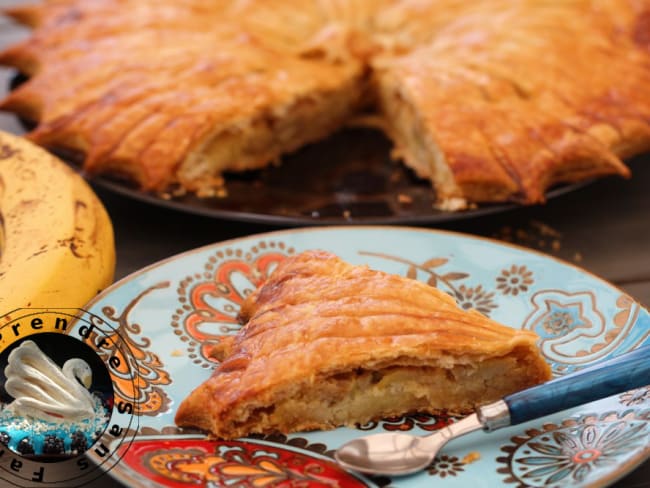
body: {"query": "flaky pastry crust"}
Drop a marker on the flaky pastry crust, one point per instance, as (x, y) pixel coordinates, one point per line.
(327, 344)
(491, 100)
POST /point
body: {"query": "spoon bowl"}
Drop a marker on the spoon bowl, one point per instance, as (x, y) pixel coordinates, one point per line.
(392, 453)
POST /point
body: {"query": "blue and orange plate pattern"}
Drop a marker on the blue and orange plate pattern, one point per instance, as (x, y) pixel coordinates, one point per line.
(170, 312)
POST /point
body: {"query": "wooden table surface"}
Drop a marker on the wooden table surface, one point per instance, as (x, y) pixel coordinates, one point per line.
(603, 228)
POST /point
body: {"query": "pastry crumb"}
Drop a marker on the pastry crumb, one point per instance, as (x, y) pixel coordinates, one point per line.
(471, 457)
(179, 192)
(452, 204)
(404, 199)
(176, 353)
(545, 229)
(521, 235)
(535, 234)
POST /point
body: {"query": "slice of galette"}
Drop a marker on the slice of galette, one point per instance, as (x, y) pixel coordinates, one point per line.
(327, 344)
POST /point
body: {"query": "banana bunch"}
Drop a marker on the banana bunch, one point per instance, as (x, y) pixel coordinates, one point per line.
(56, 239)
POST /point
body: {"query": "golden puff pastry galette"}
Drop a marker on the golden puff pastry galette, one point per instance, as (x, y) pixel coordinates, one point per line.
(490, 100)
(327, 344)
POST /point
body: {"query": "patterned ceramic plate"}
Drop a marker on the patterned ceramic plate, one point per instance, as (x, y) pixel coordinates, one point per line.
(167, 313)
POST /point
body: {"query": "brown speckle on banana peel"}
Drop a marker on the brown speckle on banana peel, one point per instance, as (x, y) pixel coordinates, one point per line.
(7, 151)
(58, 246)
(2, 233)
(42, 250)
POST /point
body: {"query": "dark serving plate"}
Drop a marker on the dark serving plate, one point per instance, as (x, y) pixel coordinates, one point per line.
(349, 178)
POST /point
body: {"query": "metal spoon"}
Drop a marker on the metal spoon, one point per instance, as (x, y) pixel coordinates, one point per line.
(400, 454)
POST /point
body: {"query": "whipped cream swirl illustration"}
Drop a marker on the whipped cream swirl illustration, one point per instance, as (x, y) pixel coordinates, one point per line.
(43, 390)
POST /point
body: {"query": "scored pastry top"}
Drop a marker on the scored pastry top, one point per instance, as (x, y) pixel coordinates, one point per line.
(490, 100)
(321, 332)
(315, 308)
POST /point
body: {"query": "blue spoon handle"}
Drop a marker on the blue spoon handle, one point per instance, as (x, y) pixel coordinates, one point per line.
(616, 375)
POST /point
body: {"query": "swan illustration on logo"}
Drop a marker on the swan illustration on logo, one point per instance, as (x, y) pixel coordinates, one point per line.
(43, 390)
(52, 410)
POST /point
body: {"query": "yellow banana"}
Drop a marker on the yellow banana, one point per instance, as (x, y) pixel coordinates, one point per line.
(57, 248)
